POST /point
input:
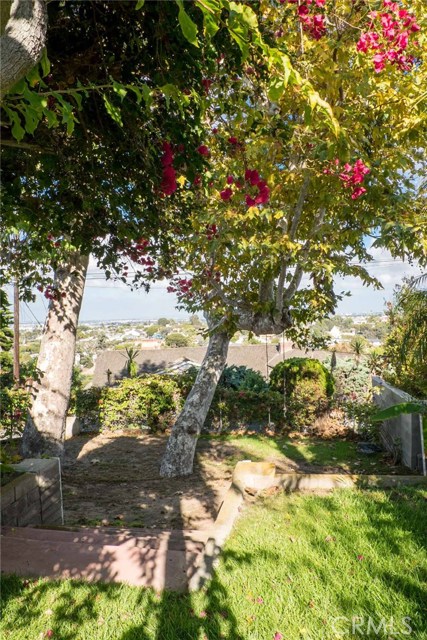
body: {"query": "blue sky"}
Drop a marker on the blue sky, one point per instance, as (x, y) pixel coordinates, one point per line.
(105, 301)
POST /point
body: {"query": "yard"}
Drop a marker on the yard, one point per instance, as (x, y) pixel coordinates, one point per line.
(113, 478)
(295, 567)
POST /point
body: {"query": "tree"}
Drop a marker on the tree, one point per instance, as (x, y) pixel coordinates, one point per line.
(59, 173)
(131, 363)
(176, 339)
(23, 25)
(6, 341)
(283, 194)
(358, 346)
(405, 347)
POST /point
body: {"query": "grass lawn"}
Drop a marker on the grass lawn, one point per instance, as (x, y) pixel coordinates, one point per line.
(304, 450)
(292, 566)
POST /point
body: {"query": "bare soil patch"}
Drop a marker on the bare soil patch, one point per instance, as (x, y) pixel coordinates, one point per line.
(113, 479)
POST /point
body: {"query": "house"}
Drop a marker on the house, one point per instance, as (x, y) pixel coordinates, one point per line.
(259, 357)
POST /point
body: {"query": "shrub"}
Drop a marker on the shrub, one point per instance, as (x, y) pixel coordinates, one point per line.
(309, 387)
(242, 379)
(352, 381)
(14, 404)
(135, 403)
(233, 409)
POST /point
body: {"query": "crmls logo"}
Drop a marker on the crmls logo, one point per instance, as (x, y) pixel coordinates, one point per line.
(368, 626)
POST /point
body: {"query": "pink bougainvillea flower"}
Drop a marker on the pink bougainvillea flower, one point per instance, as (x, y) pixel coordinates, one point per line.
(203, 150)
(230, 180)
(226, 194)
(250, 201)
(169, 183)
(252, 176)
(359, 191)
(263, 196)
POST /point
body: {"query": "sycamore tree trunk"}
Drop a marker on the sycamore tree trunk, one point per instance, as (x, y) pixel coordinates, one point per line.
(23, 29)
(45, 428)
(179, 456)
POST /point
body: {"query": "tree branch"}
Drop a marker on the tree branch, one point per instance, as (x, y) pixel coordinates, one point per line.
(22, 41)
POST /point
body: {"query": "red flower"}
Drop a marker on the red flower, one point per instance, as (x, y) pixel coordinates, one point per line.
(250, 201)
(226, 194)
(233, 140)
(230, 179)
(169, 184)
(203, 150)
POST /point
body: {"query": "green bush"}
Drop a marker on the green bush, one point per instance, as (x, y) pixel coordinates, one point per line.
(242, 379)
(242, 409)
(352, 381)
(135, 403)
(14, 404)
(309, 388)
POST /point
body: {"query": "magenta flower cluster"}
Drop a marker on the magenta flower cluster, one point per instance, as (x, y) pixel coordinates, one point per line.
(389, 36)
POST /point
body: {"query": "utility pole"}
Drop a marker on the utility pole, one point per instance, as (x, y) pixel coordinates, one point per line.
(16, 375)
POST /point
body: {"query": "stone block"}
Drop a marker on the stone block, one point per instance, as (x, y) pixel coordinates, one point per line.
(72, 427)
(32, 515)
(7, 494)
(27, 484)
(52, 514)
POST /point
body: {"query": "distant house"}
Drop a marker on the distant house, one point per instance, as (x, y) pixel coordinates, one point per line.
(335, 333)
(259, 357)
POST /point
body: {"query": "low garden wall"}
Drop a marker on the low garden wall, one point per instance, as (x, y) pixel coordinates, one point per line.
(404, 432)
(35, 496)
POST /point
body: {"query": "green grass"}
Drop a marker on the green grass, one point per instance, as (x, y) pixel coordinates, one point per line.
(292, 565)
(305, 449)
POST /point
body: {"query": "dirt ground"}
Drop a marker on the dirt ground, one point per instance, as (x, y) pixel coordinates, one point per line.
(113, 479)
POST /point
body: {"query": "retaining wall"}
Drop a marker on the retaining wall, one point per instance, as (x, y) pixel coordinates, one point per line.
(405, 431)
(35, 497)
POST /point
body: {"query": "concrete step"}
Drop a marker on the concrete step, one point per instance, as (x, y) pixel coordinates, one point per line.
(176, 539)
(165, 560)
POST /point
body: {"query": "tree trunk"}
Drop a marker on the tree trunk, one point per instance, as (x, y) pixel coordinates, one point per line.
(181, 446)
(45, 428)
(23, 36)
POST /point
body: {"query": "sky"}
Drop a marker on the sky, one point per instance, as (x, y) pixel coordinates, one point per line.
(107, 301)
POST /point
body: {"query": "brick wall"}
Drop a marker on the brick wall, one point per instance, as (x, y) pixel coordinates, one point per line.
(35, 497)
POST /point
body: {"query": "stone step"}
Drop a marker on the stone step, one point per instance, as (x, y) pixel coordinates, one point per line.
(159, 567)
(190, 540)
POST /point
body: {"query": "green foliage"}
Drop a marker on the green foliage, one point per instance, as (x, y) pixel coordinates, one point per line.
(296, 369)
(242, 379)
(399, 409)
(135, 403)
(176, 339)
(6, 341)
(232, 408)
(405, 350)
(307, 386)
(352, 381)
(131, 364)
(361, 416)
(14, 404)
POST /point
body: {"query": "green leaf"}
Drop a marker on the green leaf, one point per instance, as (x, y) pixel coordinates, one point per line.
(17, 131)
(399, 409)
(120, 90)
(276, 89)
(112, 110)
(211, 10)
(188, 27)
(45, 64)
(139, 4)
